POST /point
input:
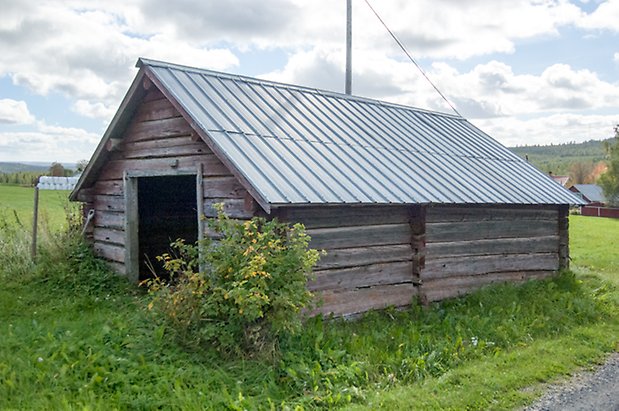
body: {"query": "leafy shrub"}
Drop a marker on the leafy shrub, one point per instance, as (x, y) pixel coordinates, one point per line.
(250, 290)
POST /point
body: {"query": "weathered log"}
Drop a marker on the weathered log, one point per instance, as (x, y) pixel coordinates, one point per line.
(109, 251)
(347, 302)
(114, 144)
(211, 166)
(476, 265)
(109, 235)
(157, 129)
(155, 110)
(479, 230)
(233, 207)
(109, 219)
(360, 256)
(544, 244)
(109, 203)
(359, 236)
(166, 142)
(223, 187)
(166, 151)
(109, 187)
(438, 214)
(340, 216)
(86, 195)
(362, 276)
(439, 289)
(152, 94)
(417, 221)
(564, 240)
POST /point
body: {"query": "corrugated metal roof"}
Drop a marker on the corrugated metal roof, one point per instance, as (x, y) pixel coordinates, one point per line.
(591, 192)
(298, 145)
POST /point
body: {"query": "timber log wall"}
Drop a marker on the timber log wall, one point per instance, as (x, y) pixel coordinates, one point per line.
(469, 247)
(156, 137)
(369, 263)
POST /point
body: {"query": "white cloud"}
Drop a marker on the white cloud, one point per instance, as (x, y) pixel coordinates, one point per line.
(605, 17)
(86, 53)
(86, 50)
(469, 28)
(94, 110)
(374, 75)
(47, 143)
(487, 90)
(493, 89)
(556, 129)
(14, 112)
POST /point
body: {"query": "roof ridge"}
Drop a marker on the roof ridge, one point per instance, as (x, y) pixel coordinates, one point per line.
(323, 92)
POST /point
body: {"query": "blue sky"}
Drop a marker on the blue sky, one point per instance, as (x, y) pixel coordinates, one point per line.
(526, 72)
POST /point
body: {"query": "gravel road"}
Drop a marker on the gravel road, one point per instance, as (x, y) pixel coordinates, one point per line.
(597, 390)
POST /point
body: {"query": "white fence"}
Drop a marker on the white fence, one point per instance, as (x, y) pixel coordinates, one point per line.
(57, 183)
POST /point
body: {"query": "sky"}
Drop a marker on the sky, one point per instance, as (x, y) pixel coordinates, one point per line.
(525, 72)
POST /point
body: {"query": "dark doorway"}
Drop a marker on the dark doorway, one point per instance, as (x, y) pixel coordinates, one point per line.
(167, 211)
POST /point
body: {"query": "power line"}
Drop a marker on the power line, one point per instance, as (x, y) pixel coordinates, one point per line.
(411, 57)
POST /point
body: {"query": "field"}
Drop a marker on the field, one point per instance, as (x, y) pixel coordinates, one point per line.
(18, 203)
(74, 336)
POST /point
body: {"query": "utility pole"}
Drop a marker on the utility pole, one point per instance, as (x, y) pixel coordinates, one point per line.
(348, 46)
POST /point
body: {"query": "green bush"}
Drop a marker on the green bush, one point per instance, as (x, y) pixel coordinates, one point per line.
(242, 292)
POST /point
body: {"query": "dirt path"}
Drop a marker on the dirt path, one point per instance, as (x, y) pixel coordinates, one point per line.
(597, 390)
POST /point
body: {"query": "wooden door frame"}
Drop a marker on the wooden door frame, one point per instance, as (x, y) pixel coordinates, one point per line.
(132, 236)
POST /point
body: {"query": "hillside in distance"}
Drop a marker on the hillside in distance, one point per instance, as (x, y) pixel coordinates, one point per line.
(10, 167)
(563, 159)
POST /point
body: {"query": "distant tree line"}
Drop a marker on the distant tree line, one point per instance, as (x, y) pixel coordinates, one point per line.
(21, 178)
(30, 178)
(582, 162)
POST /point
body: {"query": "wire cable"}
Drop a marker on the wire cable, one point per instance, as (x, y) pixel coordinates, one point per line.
(411, 57)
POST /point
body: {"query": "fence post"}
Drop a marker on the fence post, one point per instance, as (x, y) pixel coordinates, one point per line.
(35, 217)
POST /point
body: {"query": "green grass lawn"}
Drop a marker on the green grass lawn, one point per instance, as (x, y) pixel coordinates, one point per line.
(52, 205)
(73, 336)
(594, 244)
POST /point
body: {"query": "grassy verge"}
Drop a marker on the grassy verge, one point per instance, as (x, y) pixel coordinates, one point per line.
(74, 336)
(516, 376)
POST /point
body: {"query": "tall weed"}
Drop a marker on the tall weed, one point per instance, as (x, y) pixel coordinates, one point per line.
(63, 259)
(15, 245)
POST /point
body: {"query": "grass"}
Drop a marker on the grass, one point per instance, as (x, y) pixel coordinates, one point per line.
(17, 203)
(74, 336)
(594, 243)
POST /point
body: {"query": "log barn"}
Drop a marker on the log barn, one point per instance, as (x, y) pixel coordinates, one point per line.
(407, 203)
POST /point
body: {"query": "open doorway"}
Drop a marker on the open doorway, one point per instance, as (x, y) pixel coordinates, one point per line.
(166, 211)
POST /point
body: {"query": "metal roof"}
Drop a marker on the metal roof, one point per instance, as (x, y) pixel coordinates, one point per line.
(592, 192)
(296, 145)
